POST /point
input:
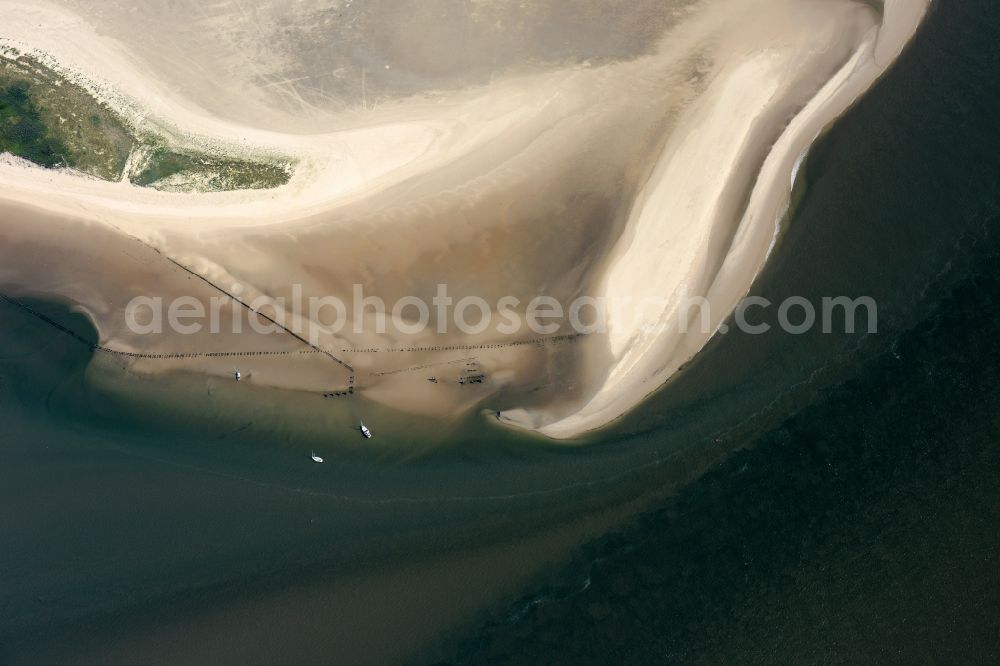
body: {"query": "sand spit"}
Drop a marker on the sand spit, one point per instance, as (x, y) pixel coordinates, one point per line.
(689, 199)
(658, 175)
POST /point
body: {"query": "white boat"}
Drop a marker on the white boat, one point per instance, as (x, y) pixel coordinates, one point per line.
(316, 458)
(238, 375)
(365, 431)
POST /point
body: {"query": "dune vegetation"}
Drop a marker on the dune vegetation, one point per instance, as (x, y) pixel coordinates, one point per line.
(51, 121)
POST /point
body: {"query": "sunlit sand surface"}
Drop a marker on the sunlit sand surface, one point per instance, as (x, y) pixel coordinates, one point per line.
(622, 150)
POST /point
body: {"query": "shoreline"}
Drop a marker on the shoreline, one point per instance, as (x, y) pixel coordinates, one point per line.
(437, 191)
(769, 201)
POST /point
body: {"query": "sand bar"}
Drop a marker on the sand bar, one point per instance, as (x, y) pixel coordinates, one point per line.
(658, 176)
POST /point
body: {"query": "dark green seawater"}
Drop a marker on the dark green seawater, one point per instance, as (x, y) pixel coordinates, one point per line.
(803, 498)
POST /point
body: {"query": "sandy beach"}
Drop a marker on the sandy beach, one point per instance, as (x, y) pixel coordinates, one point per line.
(663, 175)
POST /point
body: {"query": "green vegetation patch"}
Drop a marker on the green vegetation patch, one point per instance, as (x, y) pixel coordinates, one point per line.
(53, 122)
(190, 172)
(24, 133)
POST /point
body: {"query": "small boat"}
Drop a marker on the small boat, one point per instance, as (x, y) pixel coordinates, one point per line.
(316, 458)
(238, 375)
(365, 431)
